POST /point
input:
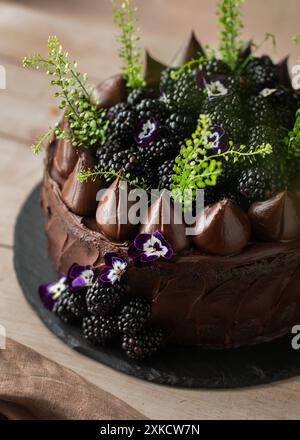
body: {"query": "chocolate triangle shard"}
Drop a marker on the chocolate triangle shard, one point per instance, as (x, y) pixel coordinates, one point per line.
(222, 229)
(112, 213)
(277, 219)
(166, 218)
(65, 157)
(153, 70)
(79, 197)
(110, 92)
(246, 50)
(189, 51)
(282, 70)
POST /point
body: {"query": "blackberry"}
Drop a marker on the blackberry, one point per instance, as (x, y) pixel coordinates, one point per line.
(144, 344)
(157, 151)
(137, 95)
(260, 112)
(77, 303)
(123, 127)
(230, 105)
(115, 110)
(166, 82)
(186, 95)
(261, 71)
(165, 171)
(216, 67)
(262, 134)
(255, 184)
(235, 127)
(181, 125)
(151, 108)
(106, 153)
(133, 316)
(102, 300)
(63, 310)
(99, 329)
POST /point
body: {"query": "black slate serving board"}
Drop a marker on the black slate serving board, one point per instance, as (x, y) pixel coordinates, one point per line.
(184, 367)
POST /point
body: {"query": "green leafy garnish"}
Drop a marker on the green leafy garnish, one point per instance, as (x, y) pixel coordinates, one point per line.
(296, 39)
(196, 168)
(87, 124)
(229, 12)
(292, 141)
(129, 52)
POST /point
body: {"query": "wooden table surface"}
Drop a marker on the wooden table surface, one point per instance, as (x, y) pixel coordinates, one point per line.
(26, 109)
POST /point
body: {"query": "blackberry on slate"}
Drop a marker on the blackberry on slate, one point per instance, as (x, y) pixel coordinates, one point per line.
(165, 171)
(63, 310)
(77, 303)
(151, 108)
(144, 344)
(133, 316)
(261, 71)
(104, 299)
(99, 329)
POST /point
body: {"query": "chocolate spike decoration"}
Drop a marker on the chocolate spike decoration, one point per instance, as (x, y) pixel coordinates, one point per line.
(222, 229)
(189, 51)
(112, 213)
(79, 197)
(246, 50)
(277, 219)
(153, 70)
(166, 218)
(65, 157)
(282, 70)
(110, 92)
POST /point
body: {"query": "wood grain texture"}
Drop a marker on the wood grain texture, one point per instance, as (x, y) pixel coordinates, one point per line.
(26, 108)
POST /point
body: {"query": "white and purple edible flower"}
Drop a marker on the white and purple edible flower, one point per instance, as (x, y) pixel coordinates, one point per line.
(50, 292)
(216, 86)
(218, 139)
(113, 270)
(81, 276)
(265, 93)
(146, 131)
(147, 248)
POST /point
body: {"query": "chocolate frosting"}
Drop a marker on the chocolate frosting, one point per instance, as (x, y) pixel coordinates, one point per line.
(222, 229)
(153, 70)
(170, 225)
(112, 213)
(110, 92)
(190, 50)
(79, 197)
(65, 157)
(277, 219)
(282, 70)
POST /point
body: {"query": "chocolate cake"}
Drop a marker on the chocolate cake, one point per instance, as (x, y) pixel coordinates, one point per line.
(229, 126)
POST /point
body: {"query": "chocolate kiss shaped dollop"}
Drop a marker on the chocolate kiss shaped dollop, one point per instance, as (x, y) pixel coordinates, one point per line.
(65, 157)
(222, 229)
(277, 219)
(189, 51)
(110, 92)
(164, 217)
(283, 74)
(79, 197)
(112, 213)
(153, 70)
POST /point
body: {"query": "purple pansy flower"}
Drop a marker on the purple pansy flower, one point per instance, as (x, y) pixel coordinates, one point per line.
(216, 85)
(146, 131)
(50, 293)
(113, 270)
(81, 276)
(147, 248)
(218, 139)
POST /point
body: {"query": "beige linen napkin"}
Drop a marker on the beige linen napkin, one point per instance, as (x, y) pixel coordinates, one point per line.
(33, 387)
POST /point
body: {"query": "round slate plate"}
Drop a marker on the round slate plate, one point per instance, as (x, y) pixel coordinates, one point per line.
(184, 367)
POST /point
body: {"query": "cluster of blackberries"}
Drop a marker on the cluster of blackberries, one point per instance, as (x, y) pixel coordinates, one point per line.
(105, 313)
(257, 109)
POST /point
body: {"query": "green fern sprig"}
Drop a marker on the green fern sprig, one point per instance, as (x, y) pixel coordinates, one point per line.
(292, 140)
(196, 168)
(231, 24)
(129, 52)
